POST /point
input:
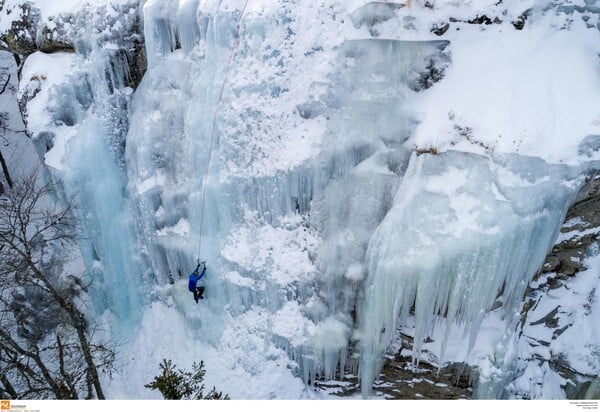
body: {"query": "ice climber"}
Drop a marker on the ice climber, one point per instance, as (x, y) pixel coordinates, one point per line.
(198, 291)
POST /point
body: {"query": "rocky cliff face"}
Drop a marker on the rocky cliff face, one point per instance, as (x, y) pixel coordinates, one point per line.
(561, 302)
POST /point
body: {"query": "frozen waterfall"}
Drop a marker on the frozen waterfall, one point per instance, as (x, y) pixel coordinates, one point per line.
(77, 113)
(286, 133)
(465, 231)
(330, 176)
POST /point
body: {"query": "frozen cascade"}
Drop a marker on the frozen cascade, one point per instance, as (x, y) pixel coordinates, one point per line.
(324, 232)
(338, 189)
(465, 230)
(111, 254)
(83, 140)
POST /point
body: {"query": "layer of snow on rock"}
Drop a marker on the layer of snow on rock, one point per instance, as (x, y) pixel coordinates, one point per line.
(531, 92)
(40, 75)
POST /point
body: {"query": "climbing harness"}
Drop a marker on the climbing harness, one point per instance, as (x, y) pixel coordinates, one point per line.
(214, 123)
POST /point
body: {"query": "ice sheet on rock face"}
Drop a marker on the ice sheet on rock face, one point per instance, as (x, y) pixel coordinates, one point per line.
(117, 284)
(181, 91)
(463, 227)
(369, 117)
(373, 13)
(172, 130)
(189, 49)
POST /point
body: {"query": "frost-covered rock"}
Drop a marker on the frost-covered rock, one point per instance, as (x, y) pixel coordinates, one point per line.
(20, 35)
(27, 27)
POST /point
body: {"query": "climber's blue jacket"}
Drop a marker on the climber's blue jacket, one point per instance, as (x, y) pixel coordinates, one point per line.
(195, 277)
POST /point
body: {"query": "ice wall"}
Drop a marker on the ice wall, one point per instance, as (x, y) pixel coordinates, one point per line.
(77, 108)
(277, 142)
(465, 231)
(298, 179)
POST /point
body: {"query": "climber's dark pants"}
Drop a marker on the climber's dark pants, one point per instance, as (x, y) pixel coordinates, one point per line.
(198, 292)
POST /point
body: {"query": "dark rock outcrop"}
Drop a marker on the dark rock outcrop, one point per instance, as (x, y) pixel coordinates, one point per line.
(581, 229)
(401, 379)
(28, 34)
(519, 22)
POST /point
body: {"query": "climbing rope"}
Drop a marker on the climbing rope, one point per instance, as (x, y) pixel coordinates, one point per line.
(214, 123)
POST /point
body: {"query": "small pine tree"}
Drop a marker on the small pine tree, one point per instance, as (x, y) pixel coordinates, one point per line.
(181, 384)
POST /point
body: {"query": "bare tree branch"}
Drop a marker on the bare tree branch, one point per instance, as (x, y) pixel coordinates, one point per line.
(5, 171)
(5, 85)
(46, 344)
